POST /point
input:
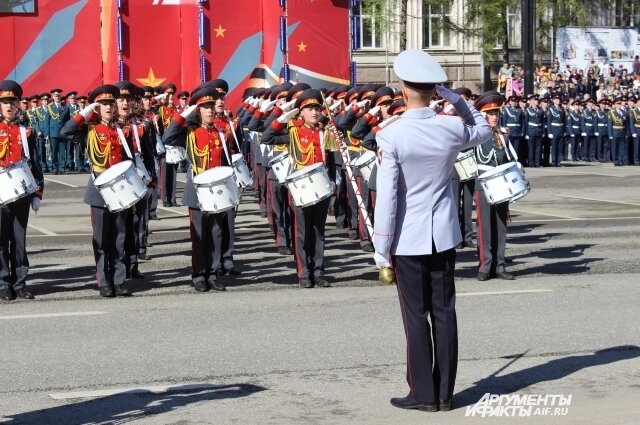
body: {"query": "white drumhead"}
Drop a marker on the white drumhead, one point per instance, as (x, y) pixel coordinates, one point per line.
(213, 175)
(463, 155)
(365, 158)
(306, 170)
(236, 157)
(113, 171)
(498, 170)
(278, 158)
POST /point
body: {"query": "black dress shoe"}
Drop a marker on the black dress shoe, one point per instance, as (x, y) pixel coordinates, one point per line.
(231, 271)
(166, 204)
(368, 247)
(460, 246)
(284, 250)
(341, 225)
(135, 274)
(217, 286)
(409, 403)
(444, 405)
(322, 282)
(107, 292)
(353, 235)
(24, 294)
(153, 217)
(305, 283)
(7, 295)
(145, 257)
(470, 244)
(483, 276)
(263, 214)
(122, 291)
(201, 286)
(504, 275)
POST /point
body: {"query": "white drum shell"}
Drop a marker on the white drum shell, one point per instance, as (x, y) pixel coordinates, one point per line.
(175, 154)
(504, 183)
(243, 175)
(142, 170)
(466, 166)
(309, 185)
(365, 163)
(281, 166)
(217, 190)
(16, 182)
(120, 186)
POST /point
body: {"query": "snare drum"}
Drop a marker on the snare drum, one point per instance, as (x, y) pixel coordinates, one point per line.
(120, 186)
(504, 183)
(309, 185)
(466, 166)
(142, 170)
(365, 164)
(217, 190)
(16, 182)
(281, 166)
(243, 175)
(175, 154)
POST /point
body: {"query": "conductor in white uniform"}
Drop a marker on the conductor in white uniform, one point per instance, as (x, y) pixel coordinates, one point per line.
(416, 224)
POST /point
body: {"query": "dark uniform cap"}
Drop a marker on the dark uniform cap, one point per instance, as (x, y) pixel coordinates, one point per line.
(72, 94)
(205, 95)
(533, 97)
(489, 101)
(147, 91)
(617, 99)
(81, 98)
(46, 96)
(556, 95)
(248, 92)
(169, 88)
(56, 91)
(34, 97)
(183, 94)
(398, 95)
(340, 92)
(544, 99)
(367, 91)
(157, 90)
(220, 85)
(352, 93)
(280, 91)
(397, 108)
(383, 95)
(296, 90)
(106, 92)
(466, 92)
(309, 97)
(127, 89)
(24, 100)
(10, 89)
(512, 98)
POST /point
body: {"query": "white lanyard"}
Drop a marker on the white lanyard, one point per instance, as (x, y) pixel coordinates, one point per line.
(123, 140)
(25, 141)
(224, 146)
(322, 146)
(234, 132)
(136, 137)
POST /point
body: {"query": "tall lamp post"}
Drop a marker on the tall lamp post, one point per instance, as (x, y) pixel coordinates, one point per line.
(528, 42)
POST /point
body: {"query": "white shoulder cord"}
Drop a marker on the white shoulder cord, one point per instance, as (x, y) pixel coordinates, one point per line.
(25, 141)
(224, 146)
(123, 140)
(324, 159)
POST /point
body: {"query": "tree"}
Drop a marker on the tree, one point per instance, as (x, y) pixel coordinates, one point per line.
(390, 17)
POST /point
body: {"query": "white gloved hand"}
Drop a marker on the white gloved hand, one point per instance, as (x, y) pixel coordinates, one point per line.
(336, 105)
(381, 261)
(583, 134)
(35, 203)
(188, 111)
(362, 103)
(526, 137)
(434, 103)
(573, 135)
(374, 110)
(449, 109)
(597, 134)
(288, 106)
(256, 102)
(161, 96)
(249, 100)
(88, 110)
(610, 138)
(550, 136)
(288, 116)
(448, 95)
(268, 105)
(329, 100)
(634, 135)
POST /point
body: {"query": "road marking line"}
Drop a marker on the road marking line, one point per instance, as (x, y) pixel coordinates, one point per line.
(157, 389)
(42, 230)
(597, 200)
(181, 181)
(539, 213)
(569, 171)
(59, 182)
(46, 315)
(541, 220)
(515, 291)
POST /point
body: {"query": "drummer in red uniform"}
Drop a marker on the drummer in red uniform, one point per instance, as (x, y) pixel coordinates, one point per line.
(96, 124)
(308, 144)
(194, 130)
(17, 143)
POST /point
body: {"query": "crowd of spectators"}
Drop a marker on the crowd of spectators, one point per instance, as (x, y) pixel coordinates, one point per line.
(599, 80)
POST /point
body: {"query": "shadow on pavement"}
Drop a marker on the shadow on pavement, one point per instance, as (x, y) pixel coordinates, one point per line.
(129, 407)
(550, 371)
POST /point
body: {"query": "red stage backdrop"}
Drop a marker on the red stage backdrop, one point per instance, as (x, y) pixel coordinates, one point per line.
(73, 44)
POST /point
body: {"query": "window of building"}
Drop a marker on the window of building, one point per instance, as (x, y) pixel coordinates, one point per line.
(367, 31)
(514, 26)
(434, 29)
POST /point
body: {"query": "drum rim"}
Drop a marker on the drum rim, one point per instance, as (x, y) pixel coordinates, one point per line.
(358, 163)
(223, 168)
(114, 167)
(22, 164)
(316, 166)
(275, 158)
(503, 170)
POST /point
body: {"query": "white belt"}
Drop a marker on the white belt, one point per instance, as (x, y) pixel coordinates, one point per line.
(513, 125)
(576, 126)
(588, 125)
(557, 124)
(534, 125)
(602, 125)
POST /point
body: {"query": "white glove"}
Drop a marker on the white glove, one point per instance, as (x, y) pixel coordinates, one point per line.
(583, 134)
(434, 104)
(634, 135)
(268, 105)
(374, 110)
(88, 110)
(288, 106)
(550, 136)
(381, 261)
(288, 116)
(336, 105)
(188, 111)
(255, 102)
(526, 137)
(597, 134)
(249, 100)
(35, 203)
(447, 94)
(573, 135)
(161, 96)
(362, 103)
(329, 100)
(610, 138)
(449, 109)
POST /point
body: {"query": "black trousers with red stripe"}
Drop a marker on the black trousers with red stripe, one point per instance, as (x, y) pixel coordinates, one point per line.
(280, 212)
(14, 263)
(427, 294)
(109, 233)
(309, 239)
(206, 243)
(491, 222)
